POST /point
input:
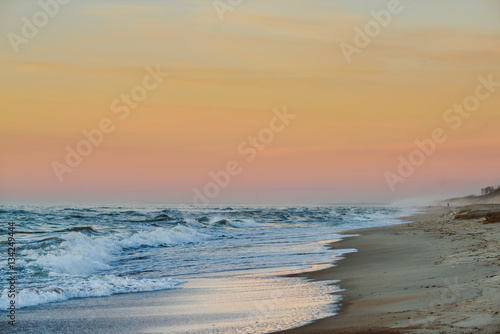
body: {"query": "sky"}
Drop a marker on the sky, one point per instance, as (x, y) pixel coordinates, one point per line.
(212, 82)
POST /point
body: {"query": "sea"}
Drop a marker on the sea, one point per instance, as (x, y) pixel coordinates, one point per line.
(74, 252)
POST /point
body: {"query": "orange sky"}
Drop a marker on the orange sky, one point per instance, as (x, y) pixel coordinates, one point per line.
(353, 120)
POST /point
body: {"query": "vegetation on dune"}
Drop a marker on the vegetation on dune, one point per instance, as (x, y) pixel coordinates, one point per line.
(489, 190)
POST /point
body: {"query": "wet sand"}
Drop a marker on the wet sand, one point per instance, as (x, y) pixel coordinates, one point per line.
(435, 275)
(257, 303)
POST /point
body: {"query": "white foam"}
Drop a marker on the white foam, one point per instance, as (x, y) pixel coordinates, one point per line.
(161, 236)
(246, 223)
(81, 254)
(93, 286)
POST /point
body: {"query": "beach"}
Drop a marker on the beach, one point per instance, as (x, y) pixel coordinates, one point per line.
(249, 167)
(436, 274)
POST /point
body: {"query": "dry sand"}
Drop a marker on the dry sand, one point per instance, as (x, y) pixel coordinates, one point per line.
(435, 275)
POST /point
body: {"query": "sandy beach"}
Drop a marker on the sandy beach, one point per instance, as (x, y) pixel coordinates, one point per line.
(249, 304)
(437, 274)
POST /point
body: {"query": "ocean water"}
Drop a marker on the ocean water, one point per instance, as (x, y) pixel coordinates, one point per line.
(87, 251)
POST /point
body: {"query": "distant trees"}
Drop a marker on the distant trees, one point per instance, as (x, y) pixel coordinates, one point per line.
(489, 190)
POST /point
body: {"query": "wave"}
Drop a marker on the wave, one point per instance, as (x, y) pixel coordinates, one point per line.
(136, 213)
(75, 216)
(60, 259)
(93, 286)
(159, 218)
(16, 212)
(111, 214)
(84, 254)
(82, 229)
(31, 232)
(246, 223)
(227, 223)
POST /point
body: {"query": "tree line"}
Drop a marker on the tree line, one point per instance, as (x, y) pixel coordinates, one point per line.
(489, 190)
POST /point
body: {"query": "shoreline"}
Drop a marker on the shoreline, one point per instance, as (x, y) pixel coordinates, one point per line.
(432, 275)
(436, 275)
